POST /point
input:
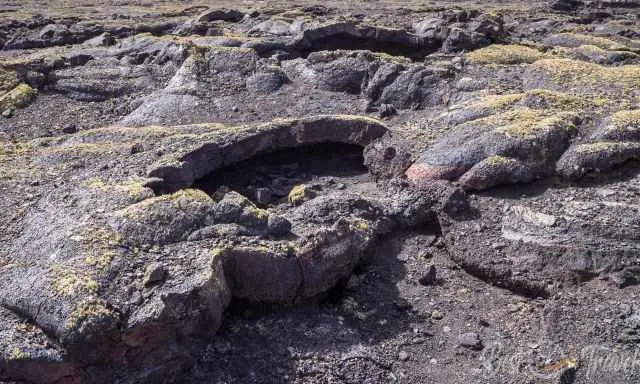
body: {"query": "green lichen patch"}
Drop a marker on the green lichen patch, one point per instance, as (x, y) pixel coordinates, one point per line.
(132, 191)
(17, 353)
(83, 149)
(100, 247)
(18, 97)
(523, 116)
(497, 102)
(505, 54)
(527, 106)
(298, 195)
(498, 161)
(556, 100)
(574, 40)
(579, 77)
(603, 148)
(8, 80)
(591, 50)
(594, 54)
(599, 157)
(196, 195)
(13, 151)
(626, 120)
(529, 128)
(86, 310)
(258, 213)
(68, 281)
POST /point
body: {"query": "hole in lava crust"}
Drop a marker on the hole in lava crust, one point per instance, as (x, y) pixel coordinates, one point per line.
(327, 164)
(345, 41)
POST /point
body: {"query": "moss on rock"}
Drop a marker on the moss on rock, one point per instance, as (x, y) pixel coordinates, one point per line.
(578, 77)
(624, 120)
(18, 97)
(533, 123)
(8, 80)
(574, 40)
(299, 194)
(505, 54)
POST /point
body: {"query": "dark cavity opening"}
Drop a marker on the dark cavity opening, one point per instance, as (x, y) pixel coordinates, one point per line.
(267, 179)
(343, 41)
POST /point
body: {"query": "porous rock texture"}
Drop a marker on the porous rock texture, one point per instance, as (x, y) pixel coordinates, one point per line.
(346, 192)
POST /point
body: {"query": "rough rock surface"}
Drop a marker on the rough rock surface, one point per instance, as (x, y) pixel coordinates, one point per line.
(264, 193)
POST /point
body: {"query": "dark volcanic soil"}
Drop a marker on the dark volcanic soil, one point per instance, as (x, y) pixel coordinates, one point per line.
(295, 192)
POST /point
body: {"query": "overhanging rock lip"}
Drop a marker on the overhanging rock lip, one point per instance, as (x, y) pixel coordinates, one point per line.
(199, 157)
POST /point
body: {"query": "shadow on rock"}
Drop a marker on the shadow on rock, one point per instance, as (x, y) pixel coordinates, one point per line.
(330, 337)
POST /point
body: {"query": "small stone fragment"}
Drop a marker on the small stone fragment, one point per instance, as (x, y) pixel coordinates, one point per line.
(278, 225)
(70, 128)
(387, 110)
(137, 148)
(513, 308)
(436, 315)
(430, 278)
(627, 277)
(153, 274)
(264, 196)
(470, 340)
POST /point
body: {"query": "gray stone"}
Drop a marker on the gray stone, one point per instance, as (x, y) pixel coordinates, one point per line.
(470, 340)
(154, 273)
(264, 195)
(278, 226)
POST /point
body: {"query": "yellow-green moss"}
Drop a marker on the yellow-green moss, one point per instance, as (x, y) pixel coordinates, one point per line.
(255, 249)
(18, 97)
(297, 194)
(126, 134)
(218, 252)
(11, 151)
(96, 183)
(549, 99)
(626, 120)
(572, 74)
(526, 123)
(522, 115)
(602, 147)
(558, 100)
(18, 354)
(88, 308)
(8, 80)
(364, 119)
(529, 128)
(591, 50)
(391, 58)
(577, 39)
(132, 190)
(497, 161)
(68, 282)
(190, 194)
(231, 49)
(289, 248)
(504, 54)
(257, 212)
(82, 149)
(100, 247)
(362, 226)
(497, 102)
